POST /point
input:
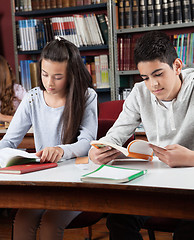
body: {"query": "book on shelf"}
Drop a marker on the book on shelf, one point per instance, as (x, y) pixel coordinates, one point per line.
(178, 11)
(135, 13)
(102, 21)
(128, 14)
(184, 46)
(124, 53)
(10, 158)
(158, 12)
(151, 14)
(112, 174)
(165, 11)
(136, 149)
(143, 13)
(121, 14)
(59, 3)
(34, 74)
(192, 9)
(35, 5)
(65, 3)
(186, 11)
(171, 15)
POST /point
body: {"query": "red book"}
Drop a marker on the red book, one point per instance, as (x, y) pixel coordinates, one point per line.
(26, 168)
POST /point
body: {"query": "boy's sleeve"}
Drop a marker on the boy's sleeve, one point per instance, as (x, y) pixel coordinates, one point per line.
(127, 122)
(88, 129)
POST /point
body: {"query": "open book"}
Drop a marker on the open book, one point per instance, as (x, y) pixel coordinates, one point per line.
(112, 174)
(135, 149)
(18, 162)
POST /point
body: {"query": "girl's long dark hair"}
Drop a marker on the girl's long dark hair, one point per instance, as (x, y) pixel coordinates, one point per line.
(7, 94)
(78, 80)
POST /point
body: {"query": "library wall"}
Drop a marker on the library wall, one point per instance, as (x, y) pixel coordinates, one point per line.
(6, 33)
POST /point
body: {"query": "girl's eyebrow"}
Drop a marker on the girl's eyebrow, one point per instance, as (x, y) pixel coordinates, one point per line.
(57, 74)
(159, 69)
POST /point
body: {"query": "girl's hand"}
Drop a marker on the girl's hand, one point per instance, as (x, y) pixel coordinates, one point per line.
(103, 155)
(50, 154)
(175, 155)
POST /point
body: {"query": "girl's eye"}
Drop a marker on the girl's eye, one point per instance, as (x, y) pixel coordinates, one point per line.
(144, 79)
(44, 75)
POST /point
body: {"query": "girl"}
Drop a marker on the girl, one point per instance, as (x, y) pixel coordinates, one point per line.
(63, 114)
(11, 93)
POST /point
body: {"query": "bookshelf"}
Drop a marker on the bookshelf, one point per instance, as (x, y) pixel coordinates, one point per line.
(126, 76)
(89, 51)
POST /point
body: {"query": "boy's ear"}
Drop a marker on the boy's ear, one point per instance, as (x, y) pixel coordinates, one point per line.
(178, 65)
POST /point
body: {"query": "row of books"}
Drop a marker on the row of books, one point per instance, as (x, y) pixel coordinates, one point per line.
(142, 13)
(30, 5)
(183, 43)
(82, 30)
(124, 93)
(28, 74)
(98, 68)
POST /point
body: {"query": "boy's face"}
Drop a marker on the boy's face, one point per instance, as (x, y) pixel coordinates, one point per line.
(162, 80)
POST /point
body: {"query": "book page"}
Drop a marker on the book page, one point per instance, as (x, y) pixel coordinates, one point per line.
(6, 154)
(110, 172)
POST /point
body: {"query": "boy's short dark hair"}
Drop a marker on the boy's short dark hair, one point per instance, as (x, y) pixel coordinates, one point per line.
(155, 45)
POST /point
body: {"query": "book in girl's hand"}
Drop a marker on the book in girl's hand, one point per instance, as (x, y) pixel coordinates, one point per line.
(18, 161)
(135, 149)
(112, 174)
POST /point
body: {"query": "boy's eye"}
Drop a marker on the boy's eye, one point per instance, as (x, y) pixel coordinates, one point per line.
(158, 75)
(144, 79)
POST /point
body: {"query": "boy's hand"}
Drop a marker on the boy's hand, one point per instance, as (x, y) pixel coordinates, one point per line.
(174, 155)
(50, 154)
(103, 155)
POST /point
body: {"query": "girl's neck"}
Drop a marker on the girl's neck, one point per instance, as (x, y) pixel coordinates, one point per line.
(53, 100)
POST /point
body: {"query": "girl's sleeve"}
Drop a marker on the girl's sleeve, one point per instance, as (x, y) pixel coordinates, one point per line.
(88, 129)
(19, 126)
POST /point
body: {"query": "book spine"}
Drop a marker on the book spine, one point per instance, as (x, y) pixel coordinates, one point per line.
(128, 14)
(151, 18)
(48, 4)
(143, 13)
(103, 26)
(53, 3)
(171, 11)
(158, 13)
(42, 4)
(17, 5)
(87, 2)
(186, 10)
(192, 10)
(59, 3)
(121, 14)
(178, 11)
(35, 5)
(65, 3)
(72, 3)
(165, 12)
(79, 2)
(135, 13)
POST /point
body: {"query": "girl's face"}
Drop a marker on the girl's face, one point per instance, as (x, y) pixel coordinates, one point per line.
(53, 76)
(161, 80)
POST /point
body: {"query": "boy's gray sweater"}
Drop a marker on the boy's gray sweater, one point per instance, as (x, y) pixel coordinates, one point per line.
(162, 126)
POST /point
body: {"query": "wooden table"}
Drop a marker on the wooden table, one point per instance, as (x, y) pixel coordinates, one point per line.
(27, 142)
(163, 191)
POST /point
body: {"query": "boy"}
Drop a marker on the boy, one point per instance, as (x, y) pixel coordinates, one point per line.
(163, 102)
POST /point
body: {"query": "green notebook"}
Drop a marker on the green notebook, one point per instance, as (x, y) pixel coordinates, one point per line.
(112, 174)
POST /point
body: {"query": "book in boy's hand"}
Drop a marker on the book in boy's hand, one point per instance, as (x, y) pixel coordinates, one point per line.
(112, 174)
(135, 149)
(26, 168)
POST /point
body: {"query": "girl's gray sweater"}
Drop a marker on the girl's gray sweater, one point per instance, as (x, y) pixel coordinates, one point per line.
(46, 123)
